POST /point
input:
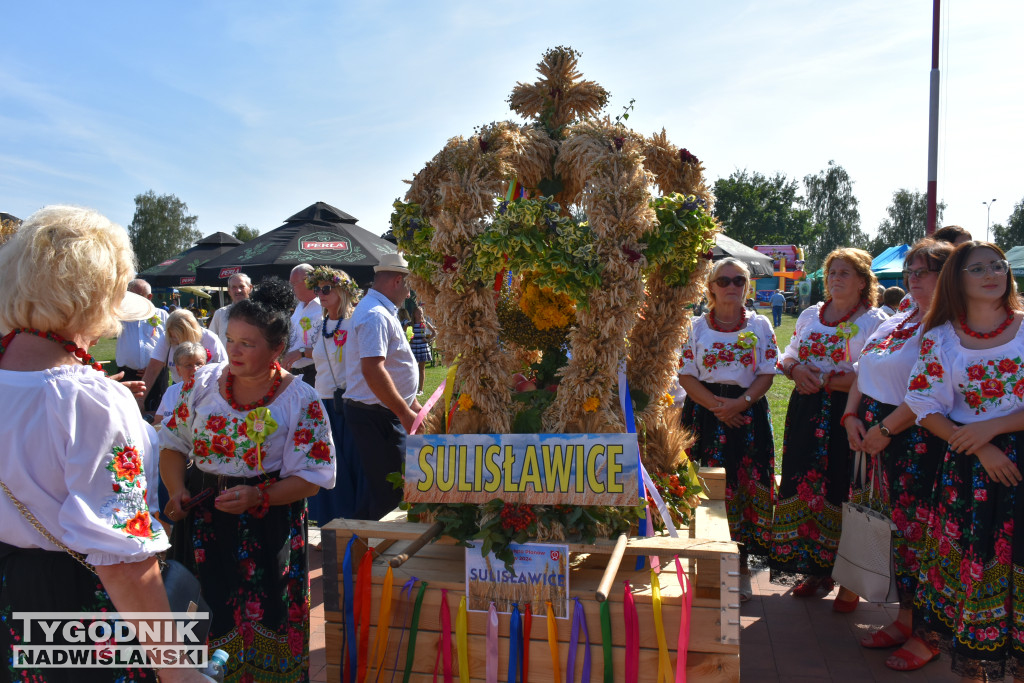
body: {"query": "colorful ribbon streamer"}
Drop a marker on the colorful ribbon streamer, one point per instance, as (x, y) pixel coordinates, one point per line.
(462, 638)
(527, 626)
(258, 426)
(515, 637)
(606, 641)
(632, 624)
(406, 592)
(664, 661)
(349, 668)
(444, 644)
(380, 644)
(425, 410)
(579, 622)
(364, 597)
(414, 627)
(556, 668)
(491, 666)
(685, 610)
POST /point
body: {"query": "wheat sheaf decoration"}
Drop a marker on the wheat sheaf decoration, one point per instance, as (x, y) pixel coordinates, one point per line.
(543, 242)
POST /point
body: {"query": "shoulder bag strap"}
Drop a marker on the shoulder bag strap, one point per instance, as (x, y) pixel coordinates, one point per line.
(38, 526)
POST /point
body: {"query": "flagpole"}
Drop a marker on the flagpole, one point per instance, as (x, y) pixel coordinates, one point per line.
(933, 124)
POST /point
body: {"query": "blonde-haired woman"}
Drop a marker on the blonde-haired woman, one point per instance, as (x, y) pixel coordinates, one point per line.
(181, 326)
(727, 368)
(338, 297)
(76, 451)
(826, 343)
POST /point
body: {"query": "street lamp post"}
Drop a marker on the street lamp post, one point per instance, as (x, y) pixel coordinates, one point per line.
(988, 220)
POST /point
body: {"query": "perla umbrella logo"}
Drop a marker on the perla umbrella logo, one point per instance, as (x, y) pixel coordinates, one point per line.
(315, 244)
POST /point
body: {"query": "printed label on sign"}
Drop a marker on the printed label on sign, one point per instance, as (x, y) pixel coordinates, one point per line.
(228, 272)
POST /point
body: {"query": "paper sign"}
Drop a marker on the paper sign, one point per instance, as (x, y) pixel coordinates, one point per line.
(541, 574)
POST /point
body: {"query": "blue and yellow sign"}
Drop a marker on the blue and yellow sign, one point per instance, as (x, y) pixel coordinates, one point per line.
(539, 469)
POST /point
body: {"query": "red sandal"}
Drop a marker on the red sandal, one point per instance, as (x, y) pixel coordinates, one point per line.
(845, 606)
(905, 660)
(810, 586)
(882, 639)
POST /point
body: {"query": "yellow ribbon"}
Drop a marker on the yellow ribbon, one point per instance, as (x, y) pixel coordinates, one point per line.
(449, 387)
(259, 424)
(748, 340)
(664, 661)
(847, 330)
(556, 668)
(380, 643)
(461, 637)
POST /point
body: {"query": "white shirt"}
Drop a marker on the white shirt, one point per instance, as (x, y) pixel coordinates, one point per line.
(170, 400)
(822, 346)
(138, 339)
(966, 385)
(376, 332)
(303, 320)
(219, 323)
(884, 366)
(216, 438)
(215, 352)
(78, 456)
(328, 354)
(725, 358)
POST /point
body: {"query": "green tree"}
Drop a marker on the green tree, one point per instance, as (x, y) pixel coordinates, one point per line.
(161, 228)
(1012, 234)
(245, 233)
(756, 209)
(834, 213)
(908, 215)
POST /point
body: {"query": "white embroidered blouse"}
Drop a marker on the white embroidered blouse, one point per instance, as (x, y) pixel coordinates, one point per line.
(826, 348)
(328, 354)
(730, 357)
(884, 366)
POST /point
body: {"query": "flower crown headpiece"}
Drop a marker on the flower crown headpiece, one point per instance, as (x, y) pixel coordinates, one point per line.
(335, 277)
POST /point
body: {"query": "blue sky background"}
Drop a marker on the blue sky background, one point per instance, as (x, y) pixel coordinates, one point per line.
(250, 111)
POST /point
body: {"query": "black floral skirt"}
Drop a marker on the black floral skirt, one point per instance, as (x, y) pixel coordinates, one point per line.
(255, 577)
(33, 580)
(970, 594)
(748, 455)
(815, 484)
(910, 464)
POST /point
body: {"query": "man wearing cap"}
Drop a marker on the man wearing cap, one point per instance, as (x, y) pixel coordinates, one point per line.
(135, 346)
(239, 288)
(382, 379)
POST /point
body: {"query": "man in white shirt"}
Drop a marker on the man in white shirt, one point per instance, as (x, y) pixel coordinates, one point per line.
(307, 313)
(239, 287)
(135, 346)
(381, 377)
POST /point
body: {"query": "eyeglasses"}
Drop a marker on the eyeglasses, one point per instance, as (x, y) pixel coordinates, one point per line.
(325, 290)
(738, 281)
(917, 273)
(998, 268)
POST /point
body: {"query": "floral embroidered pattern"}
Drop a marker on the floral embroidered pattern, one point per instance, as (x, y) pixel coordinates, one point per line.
(989, 382)
(127, 508)
(830, 348)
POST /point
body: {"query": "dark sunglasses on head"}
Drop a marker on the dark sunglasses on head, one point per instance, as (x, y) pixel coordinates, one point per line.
(738, 281)
(325, 290)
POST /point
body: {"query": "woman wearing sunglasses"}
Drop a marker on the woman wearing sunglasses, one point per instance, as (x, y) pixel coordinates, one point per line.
(727, 367)
(968, 389)
(826, 343)
(338, 295)
(878, 422)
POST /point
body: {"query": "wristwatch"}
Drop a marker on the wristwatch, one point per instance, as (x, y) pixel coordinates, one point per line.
(884, 430)
(746, 397)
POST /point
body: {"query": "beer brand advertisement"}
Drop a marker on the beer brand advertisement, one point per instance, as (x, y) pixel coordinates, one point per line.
(535, 469)
(540, 576)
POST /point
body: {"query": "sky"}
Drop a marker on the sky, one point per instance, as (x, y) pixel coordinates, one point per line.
(250, 111)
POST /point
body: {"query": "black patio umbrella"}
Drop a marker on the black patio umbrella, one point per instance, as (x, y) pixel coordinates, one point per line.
(760, 265)
(318, 235)
(181, 269)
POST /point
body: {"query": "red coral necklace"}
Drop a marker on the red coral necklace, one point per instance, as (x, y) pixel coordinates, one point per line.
(821, 313)
(902, 330)
(986, 335)
(229, 384)
(69, 346)
(713, 324)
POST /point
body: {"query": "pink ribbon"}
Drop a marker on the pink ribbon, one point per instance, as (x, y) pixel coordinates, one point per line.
(425, 410)
(632, 635)
(444, 645)
(685, 608)
(492, 644)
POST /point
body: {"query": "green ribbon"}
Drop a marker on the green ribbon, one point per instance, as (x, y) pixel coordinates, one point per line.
(606, 642)
(410, 653)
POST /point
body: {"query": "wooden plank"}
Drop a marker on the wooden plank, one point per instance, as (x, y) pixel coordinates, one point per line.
(714, 482)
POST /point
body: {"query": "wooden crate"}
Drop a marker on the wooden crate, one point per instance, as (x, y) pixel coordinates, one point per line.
(709, 557)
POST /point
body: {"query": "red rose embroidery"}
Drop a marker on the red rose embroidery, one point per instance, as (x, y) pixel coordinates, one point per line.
(727, 356)
(838, 356)
(172, 423)
(919, 383)
(973, 399)
(314, 412)
(709, 360)
(1007, 366)
(935, 370)
(834, 339)
(688, 354)
(223, 444)
(818, 349)
(770, 353)
(139, 525)
(747, 359)
(243, 431)
(250, 458)
(320, 452)
(718, 345)
(215, 423)
(201, 449)
(303, 436)
(127, 464)
(927, 345)
(182, 412)
(815, 336)
(992, 388)
(189, 384)
(1018, 389)
(976, 372)
(804, 353)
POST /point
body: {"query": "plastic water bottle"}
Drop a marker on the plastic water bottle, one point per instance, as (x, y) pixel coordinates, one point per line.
(217, 666)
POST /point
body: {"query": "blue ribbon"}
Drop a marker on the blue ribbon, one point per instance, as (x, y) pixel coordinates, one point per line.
(406, 592)
(515, 644)
(579, 621)
(627, 409)
(350, 620)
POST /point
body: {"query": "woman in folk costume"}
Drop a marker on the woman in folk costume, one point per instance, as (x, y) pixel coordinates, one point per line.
(816, 459)
(727, 368)
(968, 388)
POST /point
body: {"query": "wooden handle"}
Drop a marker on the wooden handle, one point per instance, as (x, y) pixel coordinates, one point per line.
(426, 537)
(612, 568)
